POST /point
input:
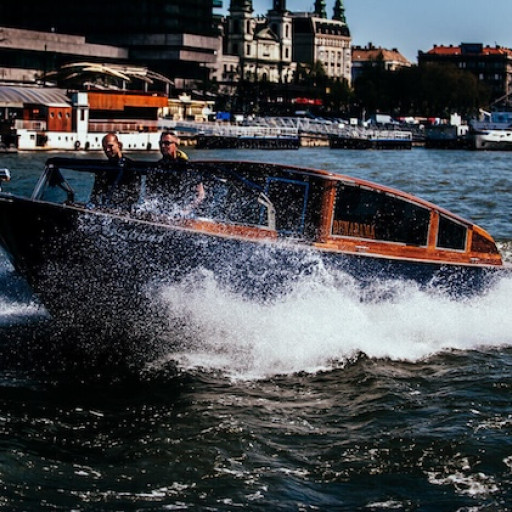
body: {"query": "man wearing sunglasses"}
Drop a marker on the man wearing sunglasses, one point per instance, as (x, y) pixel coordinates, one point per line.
(179, 186)
(169, 148)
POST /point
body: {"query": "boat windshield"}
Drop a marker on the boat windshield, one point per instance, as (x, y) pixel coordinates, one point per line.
(141, 189)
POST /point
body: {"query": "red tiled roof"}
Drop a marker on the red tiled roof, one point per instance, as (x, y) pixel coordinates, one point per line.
(456, 50)
(374, 54)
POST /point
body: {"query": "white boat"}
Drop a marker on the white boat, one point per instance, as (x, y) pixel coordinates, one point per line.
(494, 132)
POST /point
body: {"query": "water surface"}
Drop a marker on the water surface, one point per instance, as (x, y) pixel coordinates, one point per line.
(322, 401)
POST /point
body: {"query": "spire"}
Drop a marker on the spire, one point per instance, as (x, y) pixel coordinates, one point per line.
(279, 5)
(320, 9)
(241, 5)
(339, 11)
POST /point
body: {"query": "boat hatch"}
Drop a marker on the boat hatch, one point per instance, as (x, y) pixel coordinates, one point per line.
(373, 214)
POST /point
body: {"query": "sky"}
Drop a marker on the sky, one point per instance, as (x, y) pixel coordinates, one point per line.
(413, 25)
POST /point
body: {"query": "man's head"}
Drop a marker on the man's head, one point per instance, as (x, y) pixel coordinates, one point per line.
(169, 144)
(112, 146)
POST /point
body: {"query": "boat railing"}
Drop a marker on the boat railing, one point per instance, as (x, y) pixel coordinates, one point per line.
(389, 135)
(104, 126)
(22, 124)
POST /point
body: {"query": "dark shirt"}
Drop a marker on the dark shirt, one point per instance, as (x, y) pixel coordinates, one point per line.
(118, 186)
(173, 185)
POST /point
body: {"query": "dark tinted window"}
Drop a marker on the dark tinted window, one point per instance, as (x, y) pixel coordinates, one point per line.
(289, 199)
(451, 235)
(365, 213)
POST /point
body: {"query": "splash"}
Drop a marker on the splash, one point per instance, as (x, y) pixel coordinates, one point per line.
(17, 311)
(16, 302)
(325, 323)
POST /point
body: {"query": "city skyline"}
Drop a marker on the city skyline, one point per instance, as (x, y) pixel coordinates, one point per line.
(411, 26)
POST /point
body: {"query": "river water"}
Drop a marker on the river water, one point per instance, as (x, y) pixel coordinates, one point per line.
(319, 402)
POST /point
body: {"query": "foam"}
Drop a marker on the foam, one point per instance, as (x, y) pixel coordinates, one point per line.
(322, 325)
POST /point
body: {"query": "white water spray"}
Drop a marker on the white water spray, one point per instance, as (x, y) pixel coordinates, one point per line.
(319, 326)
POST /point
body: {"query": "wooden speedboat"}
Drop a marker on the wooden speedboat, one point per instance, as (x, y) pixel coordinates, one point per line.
(260, 228)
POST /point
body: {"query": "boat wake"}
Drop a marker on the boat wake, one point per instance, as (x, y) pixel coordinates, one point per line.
(322, 325)
(324, 322)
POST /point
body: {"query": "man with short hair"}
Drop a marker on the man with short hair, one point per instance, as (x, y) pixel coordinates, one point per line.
(120, 187)
(176, 181)
(169, 142)
(112, 147)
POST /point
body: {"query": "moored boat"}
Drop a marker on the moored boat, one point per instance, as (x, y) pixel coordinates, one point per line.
(493, 139)
(494, 132)
(97, 256)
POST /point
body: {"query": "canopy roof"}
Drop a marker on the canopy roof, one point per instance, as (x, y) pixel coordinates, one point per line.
(12, 96)
(90, 72)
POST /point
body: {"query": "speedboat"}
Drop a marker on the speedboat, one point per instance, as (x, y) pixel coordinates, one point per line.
(96, 257)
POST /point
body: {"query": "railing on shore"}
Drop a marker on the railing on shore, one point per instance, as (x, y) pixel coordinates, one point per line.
(283, 127)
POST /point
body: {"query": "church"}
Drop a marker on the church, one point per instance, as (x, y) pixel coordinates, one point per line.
(269, 48)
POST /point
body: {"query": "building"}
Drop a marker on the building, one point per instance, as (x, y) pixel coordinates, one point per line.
(268, 48)
(182, 40)
(25, 55)
(47, 118)
(257, 48)
(491, 65)
(176, 38)
(318, 39)
(364, 57)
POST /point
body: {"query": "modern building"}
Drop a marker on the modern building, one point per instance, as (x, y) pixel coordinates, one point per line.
(369, 56)
(491, 65)
(176, 38)
(25, 55)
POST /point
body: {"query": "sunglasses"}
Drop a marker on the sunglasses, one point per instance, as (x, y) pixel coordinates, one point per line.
(167, 142)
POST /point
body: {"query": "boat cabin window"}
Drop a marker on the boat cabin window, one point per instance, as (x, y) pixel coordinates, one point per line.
(451, 234)
(110, 187)
(227, 200)
(289, 198)
(361, 212)
(65, 185)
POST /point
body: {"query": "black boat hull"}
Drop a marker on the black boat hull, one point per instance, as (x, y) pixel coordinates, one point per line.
(96, 267)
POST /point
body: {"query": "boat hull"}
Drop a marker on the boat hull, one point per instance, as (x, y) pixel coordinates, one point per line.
(107, 269)
(493, 140)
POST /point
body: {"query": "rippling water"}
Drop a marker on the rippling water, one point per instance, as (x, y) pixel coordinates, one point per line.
(320, 402)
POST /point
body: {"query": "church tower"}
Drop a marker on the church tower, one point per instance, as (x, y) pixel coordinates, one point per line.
(240, 31)
(339, 11)
(279, 5)
(320, 11)
(280, 22)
